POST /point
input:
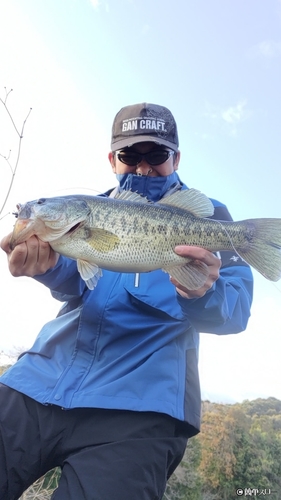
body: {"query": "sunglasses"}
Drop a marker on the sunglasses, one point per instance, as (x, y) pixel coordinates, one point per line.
(154, 157)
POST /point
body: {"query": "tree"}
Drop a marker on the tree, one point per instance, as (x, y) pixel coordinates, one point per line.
(19, 132)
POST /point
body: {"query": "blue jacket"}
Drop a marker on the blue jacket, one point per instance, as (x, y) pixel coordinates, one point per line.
(131, 343)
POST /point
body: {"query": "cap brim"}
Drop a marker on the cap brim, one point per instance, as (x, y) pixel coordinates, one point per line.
(130, 141)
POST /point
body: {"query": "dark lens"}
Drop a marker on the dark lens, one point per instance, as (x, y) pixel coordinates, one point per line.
(157, 157)
(154, 157)
(131, 158)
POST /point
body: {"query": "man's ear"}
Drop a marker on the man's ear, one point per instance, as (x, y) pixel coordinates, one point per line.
(177, 160)
(111, 158)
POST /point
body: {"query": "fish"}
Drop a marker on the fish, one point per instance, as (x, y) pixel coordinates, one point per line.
(130, 234)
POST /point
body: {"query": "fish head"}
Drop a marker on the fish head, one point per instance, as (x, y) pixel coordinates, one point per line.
(48, 218)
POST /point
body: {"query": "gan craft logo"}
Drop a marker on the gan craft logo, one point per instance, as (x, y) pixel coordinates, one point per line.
(143, 124)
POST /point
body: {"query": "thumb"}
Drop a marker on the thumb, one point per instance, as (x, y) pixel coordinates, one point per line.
(5, 244)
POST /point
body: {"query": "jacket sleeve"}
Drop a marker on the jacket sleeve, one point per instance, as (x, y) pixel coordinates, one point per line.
(226, 306)
(63, 280)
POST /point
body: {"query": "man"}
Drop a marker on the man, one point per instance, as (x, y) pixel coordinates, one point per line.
(109, 391)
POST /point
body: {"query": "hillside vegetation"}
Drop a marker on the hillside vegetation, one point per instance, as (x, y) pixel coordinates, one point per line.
(239, 447)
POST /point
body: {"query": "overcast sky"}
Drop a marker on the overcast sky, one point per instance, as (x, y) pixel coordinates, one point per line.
(216, 65)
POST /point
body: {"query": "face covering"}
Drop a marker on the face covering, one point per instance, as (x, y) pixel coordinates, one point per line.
(154, 188)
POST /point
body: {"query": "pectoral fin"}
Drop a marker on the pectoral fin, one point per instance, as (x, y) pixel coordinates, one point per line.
(191, 275)
(90, 273)
(102, 240)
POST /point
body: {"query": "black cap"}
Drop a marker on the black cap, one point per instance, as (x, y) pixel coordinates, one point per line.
(144, 122)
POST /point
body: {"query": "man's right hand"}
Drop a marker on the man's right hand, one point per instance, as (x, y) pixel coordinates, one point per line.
(29, 258)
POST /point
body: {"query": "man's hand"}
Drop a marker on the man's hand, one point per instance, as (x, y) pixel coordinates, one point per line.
(29, 258)
(207, 258)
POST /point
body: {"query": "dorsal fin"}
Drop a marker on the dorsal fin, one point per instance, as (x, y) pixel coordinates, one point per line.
(131, 196)
(191, 200)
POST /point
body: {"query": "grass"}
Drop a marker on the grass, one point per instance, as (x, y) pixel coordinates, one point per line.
(43, 488)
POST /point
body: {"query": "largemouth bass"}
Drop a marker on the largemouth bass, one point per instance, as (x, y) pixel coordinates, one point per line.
(130, 234)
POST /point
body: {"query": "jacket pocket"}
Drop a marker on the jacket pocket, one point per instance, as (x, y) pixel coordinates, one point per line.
(154, 291)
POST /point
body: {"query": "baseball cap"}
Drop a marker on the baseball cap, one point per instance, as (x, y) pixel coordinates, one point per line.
(144, 122)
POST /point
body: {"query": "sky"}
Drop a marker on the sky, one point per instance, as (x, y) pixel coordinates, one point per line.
(216, 65)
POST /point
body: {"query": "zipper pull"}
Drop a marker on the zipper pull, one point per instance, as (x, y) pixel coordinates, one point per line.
(137, 280)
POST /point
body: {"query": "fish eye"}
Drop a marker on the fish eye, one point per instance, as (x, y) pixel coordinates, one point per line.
(41, 201)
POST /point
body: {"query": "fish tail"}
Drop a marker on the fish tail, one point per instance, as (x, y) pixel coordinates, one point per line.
(263, 247)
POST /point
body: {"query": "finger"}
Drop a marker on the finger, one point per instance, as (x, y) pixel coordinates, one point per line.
(17, 259)
(5, 243)
(211, 260)
(196, 253)
(33, 246)
(47, 257)
(40, 256)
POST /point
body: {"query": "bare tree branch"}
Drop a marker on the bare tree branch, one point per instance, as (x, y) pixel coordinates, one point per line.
(20, 136)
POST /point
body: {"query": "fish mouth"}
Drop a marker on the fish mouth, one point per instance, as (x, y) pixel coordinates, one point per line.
(21, 232)
(25, 228)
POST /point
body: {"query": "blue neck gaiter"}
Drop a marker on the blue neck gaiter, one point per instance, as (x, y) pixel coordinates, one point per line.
(154, 188)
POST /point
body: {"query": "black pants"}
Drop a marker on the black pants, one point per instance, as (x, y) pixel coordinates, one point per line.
(103, 454)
